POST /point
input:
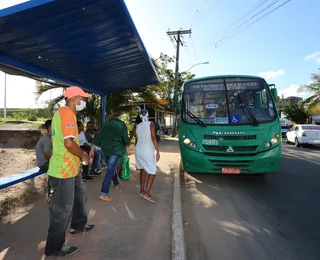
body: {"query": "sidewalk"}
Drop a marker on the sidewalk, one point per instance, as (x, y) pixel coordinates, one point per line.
(128, 227)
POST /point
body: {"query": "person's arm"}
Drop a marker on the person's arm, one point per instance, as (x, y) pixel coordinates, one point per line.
(97, 141)
(88, 137)
(125, 137)
(132, 134)
(154, 140)
(69, 130)
(47, 149)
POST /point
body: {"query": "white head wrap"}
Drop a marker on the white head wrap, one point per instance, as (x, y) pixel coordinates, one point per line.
(144, 115)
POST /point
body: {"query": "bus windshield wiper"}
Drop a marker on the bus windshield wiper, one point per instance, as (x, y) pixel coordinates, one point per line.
(197, 119)
(254, 119)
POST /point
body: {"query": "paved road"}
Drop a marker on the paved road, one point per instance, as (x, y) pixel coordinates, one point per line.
(249, 217)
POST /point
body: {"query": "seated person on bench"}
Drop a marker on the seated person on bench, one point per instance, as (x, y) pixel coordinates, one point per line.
(44, 148)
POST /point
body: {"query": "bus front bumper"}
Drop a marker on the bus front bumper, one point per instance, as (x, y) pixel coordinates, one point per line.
(261, 163)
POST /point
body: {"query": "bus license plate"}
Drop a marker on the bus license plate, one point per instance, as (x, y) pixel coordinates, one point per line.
(230, 170)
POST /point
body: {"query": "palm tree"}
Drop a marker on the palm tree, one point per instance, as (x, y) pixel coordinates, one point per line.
(314, 88)
(43, 87)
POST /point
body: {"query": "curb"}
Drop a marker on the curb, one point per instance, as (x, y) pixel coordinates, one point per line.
(178, 241)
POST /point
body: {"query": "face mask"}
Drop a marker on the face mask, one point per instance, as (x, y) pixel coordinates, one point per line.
(81, 106)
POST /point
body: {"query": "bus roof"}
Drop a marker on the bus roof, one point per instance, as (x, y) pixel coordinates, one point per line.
(223, 76)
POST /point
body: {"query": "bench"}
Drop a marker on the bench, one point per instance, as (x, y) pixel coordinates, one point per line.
(20, 177)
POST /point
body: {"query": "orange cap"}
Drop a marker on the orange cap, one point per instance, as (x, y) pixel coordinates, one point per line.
(75, 91)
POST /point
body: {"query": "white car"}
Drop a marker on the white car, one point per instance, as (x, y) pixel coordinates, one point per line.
(303, 134)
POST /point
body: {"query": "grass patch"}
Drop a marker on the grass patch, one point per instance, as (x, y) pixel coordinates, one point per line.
(28, 151)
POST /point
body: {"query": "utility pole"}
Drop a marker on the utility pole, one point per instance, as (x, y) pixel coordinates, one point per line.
(177, 37)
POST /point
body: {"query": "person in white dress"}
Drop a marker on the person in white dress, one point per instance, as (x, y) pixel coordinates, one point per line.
(147, 154)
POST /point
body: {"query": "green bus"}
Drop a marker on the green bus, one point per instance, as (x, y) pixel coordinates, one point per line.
(229, 125)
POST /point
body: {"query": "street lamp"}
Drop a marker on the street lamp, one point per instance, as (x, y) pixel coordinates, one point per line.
(207, 62)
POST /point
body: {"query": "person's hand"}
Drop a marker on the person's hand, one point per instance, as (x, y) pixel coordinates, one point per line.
(91, 154)
(85, 157)
(157, 156)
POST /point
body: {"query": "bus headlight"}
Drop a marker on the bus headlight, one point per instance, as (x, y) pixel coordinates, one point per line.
(267, 144)
(186, 141)
(193, 145)
(274, 140)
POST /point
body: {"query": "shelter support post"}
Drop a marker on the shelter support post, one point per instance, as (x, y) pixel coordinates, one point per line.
(5, 98)
(104, 108)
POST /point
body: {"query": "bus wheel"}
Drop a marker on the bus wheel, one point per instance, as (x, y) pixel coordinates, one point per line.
(296, 143)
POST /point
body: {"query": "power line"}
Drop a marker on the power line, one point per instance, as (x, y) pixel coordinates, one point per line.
(239, 29)
(223, 32)
(226, 34)
(209, 10)
(194, 49)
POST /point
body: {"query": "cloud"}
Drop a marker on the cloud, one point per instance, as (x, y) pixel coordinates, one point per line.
(318, 60)
(292, 90)
(271, 74)
(312, 56)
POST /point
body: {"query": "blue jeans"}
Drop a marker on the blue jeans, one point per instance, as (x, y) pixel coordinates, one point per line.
(112, 163)
(102, 160)
(96, 160)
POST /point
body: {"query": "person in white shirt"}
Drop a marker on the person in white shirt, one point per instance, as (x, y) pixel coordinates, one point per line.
(84, 145)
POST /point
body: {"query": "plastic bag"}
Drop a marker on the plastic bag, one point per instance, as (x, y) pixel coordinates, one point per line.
(125, 172)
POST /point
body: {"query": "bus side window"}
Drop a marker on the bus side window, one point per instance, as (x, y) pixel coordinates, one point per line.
(258, 100)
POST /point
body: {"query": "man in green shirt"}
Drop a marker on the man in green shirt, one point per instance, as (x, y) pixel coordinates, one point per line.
(113, 140)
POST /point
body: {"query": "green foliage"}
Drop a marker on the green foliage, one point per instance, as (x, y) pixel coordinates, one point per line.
(167, 77)
(296, 113)
(313, 87)
(30, 114)
(162, 93)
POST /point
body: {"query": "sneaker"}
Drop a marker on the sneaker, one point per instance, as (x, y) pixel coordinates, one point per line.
(86, 229)
(65, 251)
(96, 173)
(87, 178)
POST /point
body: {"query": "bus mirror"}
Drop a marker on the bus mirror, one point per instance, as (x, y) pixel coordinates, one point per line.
(274, 93)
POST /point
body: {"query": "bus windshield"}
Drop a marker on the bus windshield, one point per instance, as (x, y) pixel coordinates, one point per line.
(235, 101)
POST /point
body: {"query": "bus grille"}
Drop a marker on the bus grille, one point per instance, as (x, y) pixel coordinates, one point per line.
(231, 164)
(231, 137)
(235, 148)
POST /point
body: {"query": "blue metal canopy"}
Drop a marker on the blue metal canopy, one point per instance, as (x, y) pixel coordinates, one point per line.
(89, 43)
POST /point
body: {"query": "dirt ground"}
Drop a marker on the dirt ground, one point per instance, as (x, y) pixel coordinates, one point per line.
(15, 160)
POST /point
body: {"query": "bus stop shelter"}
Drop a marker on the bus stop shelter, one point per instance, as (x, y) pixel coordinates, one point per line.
(92, 44)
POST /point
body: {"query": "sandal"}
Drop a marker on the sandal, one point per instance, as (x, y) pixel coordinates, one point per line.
(117, 188)
(147, 198)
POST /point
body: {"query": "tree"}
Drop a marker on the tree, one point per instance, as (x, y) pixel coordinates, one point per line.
(313, 87)
(296, 113)
(165, 89)
(162, 93)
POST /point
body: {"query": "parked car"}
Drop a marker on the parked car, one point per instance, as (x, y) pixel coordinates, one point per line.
(284, 130)
(304, 134)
